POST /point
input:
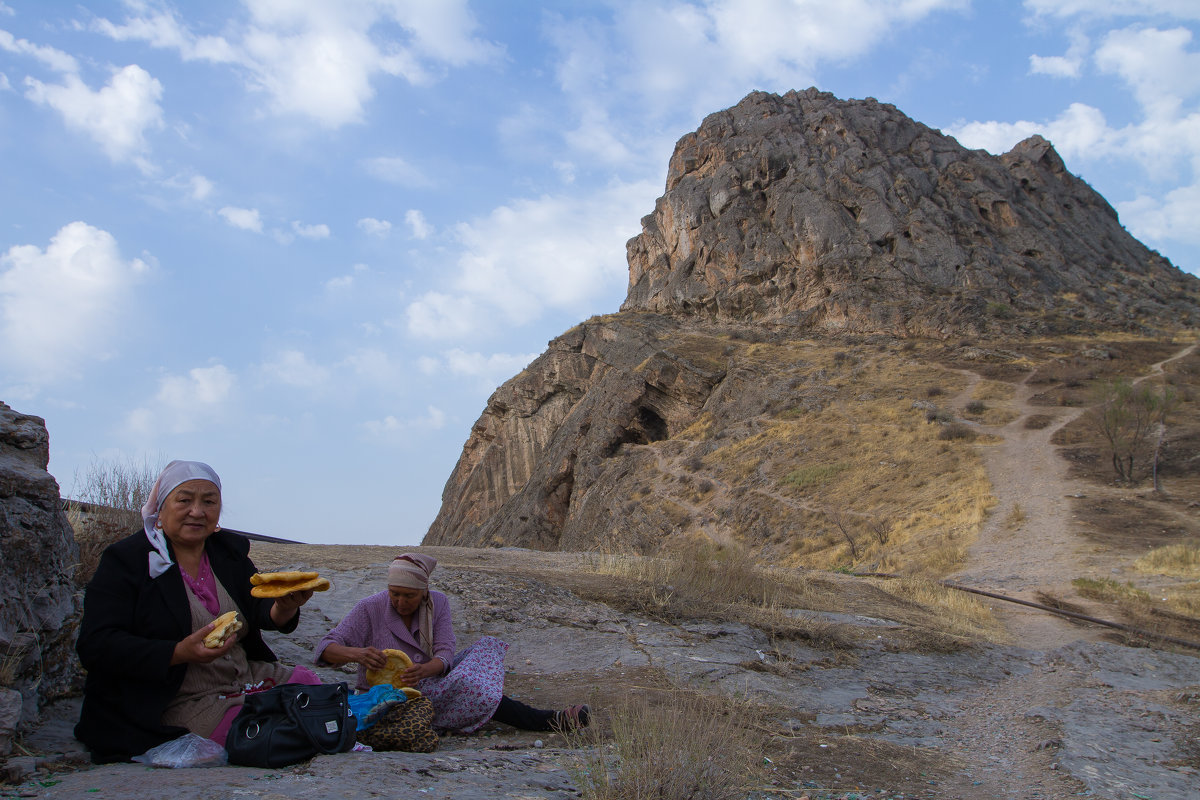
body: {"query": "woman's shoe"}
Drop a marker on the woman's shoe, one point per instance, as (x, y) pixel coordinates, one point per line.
(572, 718)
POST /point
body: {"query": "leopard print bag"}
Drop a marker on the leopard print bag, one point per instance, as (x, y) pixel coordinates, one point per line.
(405, 726)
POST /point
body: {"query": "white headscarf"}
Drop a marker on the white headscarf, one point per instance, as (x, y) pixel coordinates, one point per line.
(176, 472)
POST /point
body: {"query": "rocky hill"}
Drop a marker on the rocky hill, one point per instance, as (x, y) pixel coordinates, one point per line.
(812, 260)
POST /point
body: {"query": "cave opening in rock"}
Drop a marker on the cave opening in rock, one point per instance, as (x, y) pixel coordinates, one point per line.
(646, 427)
(650, 426)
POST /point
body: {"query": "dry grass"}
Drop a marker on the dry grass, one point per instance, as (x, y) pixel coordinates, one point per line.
(992, 403)
(95, 530)
(865, 451)
(695, 747)
(1176, 560)
(107, 506)
(1177, 614)
(956, 613)
(1016, 517)
(703, 580)
(1110, 591)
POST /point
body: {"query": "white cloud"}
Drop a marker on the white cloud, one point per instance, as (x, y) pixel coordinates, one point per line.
(61, 306)
(670, 57)
(116, 116)
(293, 368)
(319, 231)
(435, 315)
(417, 224)
(1173, 217)
(1065, 66)
(1184, 9)
(56, 60)
(565, 170)
(490, 370)
(391, 428)
(162, 28)
(247, 219)
(1155, 64)
(319, 59)
(395, 170)
(185, 403)
(345, 282)
(553, 252)
(375, 227)
(1079, 132)
(5, 86)
(201, 187)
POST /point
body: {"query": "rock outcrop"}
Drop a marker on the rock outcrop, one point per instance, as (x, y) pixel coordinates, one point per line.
(786, 217)
(38, 602)
(834, 215)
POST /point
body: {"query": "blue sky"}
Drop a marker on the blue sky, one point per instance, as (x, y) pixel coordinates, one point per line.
(304, 241)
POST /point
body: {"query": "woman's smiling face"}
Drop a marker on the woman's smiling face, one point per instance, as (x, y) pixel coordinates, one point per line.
(190, 513)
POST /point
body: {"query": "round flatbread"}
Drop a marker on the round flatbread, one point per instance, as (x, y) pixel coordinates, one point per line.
(280, 588)
(226, 625)
(278, 577)
(397, 662)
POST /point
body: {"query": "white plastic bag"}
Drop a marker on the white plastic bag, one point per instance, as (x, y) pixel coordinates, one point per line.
(189, 750)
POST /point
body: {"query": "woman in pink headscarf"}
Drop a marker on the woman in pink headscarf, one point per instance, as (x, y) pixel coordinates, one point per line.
(146, 611)
(467, 688)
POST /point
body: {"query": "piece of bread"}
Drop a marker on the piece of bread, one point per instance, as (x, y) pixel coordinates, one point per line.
(276, 577)
(410, 692)
(397, 662)
(280, 588)
(226, 625)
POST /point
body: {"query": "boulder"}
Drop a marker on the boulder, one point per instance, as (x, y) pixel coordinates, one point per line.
(39, 604)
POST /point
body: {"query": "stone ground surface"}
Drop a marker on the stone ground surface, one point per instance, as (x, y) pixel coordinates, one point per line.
(1060, 712)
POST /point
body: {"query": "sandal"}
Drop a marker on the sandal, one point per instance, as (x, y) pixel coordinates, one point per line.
(572, 718)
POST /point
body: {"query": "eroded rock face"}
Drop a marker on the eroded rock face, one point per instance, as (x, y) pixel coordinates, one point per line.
(848, 215)
(799, 214)
(539, 448)
(38, 602)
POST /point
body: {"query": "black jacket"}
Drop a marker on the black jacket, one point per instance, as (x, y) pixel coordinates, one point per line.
(131, 624)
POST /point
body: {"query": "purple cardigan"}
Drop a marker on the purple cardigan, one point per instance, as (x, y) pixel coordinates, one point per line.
(374, 623)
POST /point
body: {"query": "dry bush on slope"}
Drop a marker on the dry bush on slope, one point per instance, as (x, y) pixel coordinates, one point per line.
(694, 747)
(703, 580)
(107, 506)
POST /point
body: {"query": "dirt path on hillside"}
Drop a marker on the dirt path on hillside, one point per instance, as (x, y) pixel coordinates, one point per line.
(1028, 545)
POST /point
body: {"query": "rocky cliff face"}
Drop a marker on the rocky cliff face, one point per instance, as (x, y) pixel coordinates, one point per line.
(38, 605)
(784, 218)
(836, 215)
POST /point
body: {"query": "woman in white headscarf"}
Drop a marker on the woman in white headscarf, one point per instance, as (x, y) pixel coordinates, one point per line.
(466, 688)
(147, 609)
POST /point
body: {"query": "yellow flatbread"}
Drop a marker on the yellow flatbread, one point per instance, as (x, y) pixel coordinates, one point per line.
(280, 588)
(277, 577)
(226, 625)
(397, 662)
(410, 692)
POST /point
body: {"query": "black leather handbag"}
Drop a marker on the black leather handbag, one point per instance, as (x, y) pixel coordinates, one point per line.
(290, 723)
